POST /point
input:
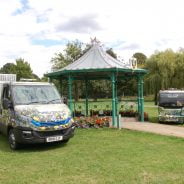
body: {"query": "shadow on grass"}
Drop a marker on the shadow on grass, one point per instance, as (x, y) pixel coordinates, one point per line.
(4, 146)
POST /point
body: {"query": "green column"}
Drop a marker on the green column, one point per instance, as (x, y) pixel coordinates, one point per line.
(70, 104)
(139, 96)
(117, 109)
(86, 90)
(113, 99)
(142, 99)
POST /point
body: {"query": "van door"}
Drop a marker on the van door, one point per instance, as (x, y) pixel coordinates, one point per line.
(1, 108)
(5, 113)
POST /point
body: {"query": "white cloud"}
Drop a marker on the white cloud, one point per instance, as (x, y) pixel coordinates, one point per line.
(127, 26)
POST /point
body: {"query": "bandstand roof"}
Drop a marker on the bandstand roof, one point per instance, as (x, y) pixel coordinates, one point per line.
(96, 63)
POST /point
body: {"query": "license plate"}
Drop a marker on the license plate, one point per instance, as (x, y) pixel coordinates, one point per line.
(172, 119)
(55, 138)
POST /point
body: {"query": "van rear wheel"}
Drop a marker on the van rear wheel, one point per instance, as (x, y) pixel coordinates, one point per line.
(12, 140)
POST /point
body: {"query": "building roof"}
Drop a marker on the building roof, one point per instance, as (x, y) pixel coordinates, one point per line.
(96, 58)
(95, 62)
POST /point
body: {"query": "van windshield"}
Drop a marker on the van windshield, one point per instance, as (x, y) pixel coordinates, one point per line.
(35, 94)
(171, 99)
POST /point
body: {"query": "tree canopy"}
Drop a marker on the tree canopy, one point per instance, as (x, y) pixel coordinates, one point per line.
(166, 70)
(141, 59)
(22, 69)
(72, 52)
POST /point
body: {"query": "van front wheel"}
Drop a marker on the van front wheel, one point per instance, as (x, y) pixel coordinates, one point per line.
(12, 140)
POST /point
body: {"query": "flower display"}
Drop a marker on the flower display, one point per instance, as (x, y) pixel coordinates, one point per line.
(92, 122)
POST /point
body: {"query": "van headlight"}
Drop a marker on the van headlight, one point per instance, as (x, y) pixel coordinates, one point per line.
(22, 120)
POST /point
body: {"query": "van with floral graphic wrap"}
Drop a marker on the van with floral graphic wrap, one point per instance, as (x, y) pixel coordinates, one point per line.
(33, 112)
(171, 106)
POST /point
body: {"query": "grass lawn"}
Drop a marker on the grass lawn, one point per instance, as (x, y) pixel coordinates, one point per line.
(101, 156)
(152, 111)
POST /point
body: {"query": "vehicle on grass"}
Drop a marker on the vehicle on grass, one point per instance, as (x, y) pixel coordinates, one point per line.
(33, 112)
(171, 106)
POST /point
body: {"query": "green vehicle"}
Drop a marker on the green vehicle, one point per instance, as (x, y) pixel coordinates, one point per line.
(33, 112)
(171, 106)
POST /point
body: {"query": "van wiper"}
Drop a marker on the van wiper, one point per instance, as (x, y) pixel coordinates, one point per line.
(53, 100)
(35, 102)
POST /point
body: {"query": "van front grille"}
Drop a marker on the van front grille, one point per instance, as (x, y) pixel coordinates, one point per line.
(51, 133)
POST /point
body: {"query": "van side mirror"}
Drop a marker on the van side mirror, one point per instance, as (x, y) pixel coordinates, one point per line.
(7, 103)
(65, 100)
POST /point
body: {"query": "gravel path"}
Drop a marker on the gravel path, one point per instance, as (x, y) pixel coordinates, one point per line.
(171, 130)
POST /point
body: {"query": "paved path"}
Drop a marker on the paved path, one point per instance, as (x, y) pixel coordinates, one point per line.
(162, 129)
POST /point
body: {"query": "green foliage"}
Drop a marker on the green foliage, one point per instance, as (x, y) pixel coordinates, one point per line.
(127, 87)
(8, 68)
(58, 61)
(141, 59)
(166, 70)
(71, 53)
(22, 69)
(111, 53)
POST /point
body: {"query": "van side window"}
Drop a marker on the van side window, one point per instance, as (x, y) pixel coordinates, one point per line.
(6, 92)
(1, 96)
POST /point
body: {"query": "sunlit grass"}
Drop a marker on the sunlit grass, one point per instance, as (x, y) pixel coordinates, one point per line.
(96, 156)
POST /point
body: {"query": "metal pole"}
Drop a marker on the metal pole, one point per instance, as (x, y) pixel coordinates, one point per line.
(138, 96)
(113, 100)
(86, 90)
(70, 104)
(142, 99)
(117, 110)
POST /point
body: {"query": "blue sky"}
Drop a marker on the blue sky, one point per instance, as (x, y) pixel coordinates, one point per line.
(37, 29)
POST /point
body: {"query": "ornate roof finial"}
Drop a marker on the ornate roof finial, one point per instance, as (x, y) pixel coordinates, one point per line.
(94, 41)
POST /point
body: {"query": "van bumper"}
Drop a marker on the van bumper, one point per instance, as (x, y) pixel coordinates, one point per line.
(171, 118)
(28, 136)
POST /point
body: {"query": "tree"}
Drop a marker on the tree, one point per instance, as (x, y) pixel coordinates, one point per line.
(71, 53)
(58, 61)
(165, 71)
(8, 68)
(22, 69)
(178, 76)
(141, 59)
(111, 53)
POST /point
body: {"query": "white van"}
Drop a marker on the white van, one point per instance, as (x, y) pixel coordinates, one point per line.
(33, 112)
